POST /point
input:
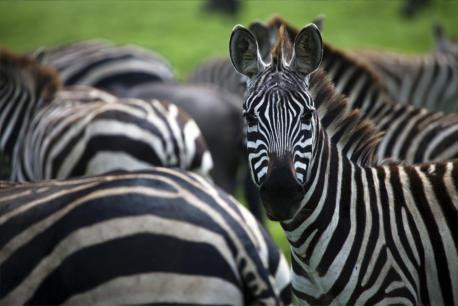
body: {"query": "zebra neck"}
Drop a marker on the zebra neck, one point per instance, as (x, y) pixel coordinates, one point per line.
(17, 106)
(324, 188)
(322, 233)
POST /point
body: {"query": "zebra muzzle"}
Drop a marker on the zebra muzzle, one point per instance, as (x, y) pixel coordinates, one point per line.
(281, 192)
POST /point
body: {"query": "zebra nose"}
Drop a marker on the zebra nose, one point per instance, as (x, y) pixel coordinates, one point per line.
(281, 193)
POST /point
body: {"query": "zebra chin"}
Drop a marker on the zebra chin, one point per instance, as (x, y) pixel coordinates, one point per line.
(281, 210)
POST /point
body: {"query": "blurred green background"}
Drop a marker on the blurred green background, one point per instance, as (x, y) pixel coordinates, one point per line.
(186, 35)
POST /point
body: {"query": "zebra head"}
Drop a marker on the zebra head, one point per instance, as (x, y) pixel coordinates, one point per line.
(280, 114)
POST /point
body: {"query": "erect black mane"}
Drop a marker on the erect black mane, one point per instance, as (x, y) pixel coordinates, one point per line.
(356, 137)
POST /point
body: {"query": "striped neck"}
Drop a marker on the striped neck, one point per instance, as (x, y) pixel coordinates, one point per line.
(330, 215)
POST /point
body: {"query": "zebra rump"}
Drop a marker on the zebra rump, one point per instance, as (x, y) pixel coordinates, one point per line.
(161, 236)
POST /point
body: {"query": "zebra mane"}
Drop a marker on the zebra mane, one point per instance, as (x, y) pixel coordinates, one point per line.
(278, 22)
(358, 62)
(282, 49)
(44, 80)
(357, 138)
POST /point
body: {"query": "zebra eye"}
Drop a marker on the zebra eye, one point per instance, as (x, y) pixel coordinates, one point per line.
(251, 119)
(306, 116)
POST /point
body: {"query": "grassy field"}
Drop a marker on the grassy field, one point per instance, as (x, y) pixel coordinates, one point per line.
(180, 31)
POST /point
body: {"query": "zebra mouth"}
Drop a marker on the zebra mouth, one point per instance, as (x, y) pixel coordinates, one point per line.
(281, 209)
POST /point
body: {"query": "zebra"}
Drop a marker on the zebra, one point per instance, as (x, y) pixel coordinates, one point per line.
(104, 65)
(412, 135)
(218, 115)
(429, 80)
(160, 236)
(52, 133)
(360, 232)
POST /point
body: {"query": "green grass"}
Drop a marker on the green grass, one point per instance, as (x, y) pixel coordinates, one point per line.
(186, 36)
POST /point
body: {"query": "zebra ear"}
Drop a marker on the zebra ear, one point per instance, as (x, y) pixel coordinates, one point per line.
(262, 35)
(39, 54)
(308, 50)
(318, 21)
(244, 52)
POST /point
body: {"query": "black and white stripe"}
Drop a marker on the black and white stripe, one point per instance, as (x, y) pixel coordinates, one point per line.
(84, 131)
(103, 65)
(360, 233)
(429, 81)
(219, 71)
(412, 134)
(156, 237)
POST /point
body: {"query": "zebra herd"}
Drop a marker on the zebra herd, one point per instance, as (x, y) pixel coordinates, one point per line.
(114, 166)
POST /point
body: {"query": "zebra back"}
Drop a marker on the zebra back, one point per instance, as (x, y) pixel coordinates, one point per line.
(86, 132)
(163, 236)
(429, 81)
(106, 66)
(219, 71)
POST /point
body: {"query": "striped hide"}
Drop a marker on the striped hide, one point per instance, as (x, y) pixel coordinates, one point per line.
(156, 237)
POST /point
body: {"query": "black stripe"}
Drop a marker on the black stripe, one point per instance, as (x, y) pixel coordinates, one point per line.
(415, 87)
(137, 148)
(87, 68)
(434, 237)
(444, 144)
(121, 82)
(373, 235)
(99, 144)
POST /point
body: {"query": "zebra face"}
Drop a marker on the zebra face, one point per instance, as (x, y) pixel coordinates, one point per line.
(281, 122)
(280, 116)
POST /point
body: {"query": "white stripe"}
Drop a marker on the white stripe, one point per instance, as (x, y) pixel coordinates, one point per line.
(161, 288)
